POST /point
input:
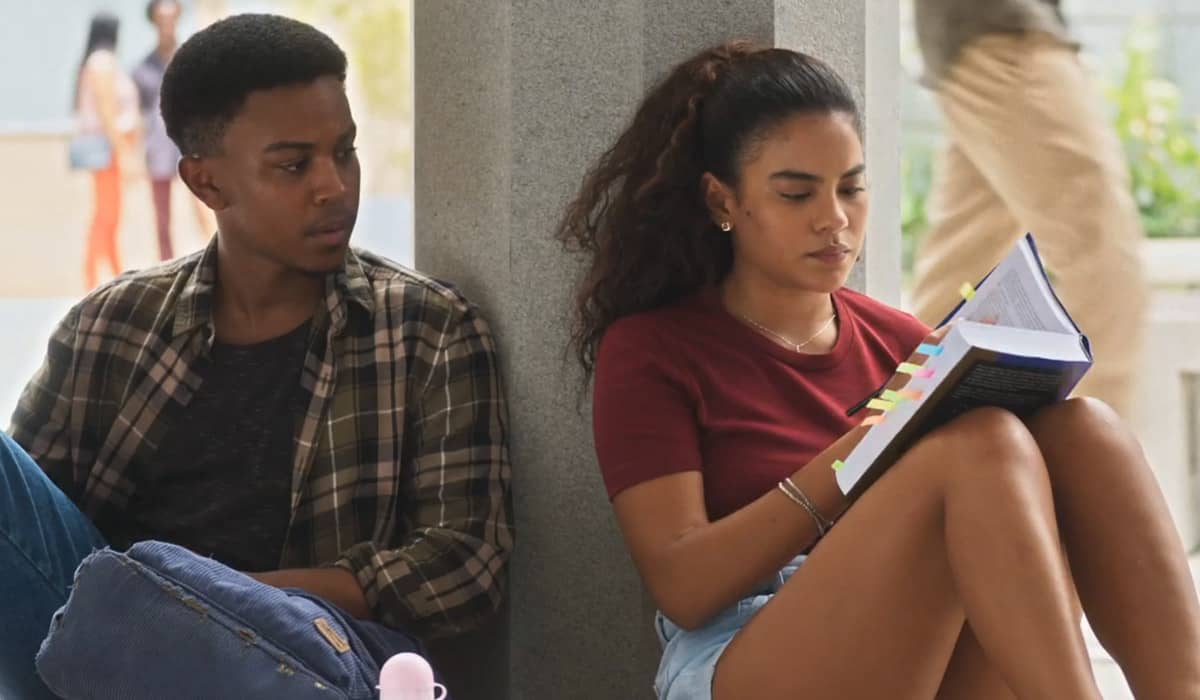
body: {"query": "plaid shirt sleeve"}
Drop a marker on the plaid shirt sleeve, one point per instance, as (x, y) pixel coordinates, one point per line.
(447, 574)
(40, 423)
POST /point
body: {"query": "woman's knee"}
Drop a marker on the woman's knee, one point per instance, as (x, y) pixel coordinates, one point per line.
(1082, 417)
(992, 434)
(1086, 431)
(983, 442)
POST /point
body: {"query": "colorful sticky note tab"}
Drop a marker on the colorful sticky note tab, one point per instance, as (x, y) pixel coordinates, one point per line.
(923, 373)
(838, 464)
(880, 405)
(967, 291)
(908, 368)
(893, 396)
(927, 349)
(911, 394)
(873, 420)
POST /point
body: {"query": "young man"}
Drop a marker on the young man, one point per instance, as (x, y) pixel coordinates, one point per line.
(296, 409)
(1029, 149)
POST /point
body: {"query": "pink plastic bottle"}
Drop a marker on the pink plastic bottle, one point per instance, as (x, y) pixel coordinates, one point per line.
(408, 677)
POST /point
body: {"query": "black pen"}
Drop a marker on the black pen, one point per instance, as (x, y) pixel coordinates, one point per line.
(863, 404)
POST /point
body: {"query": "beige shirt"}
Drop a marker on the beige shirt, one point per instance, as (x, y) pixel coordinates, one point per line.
(944, 27)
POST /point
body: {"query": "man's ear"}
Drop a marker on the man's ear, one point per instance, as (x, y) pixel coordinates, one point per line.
(197, 173)
(719, 200)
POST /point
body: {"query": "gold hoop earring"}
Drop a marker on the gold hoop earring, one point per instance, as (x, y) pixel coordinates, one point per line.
(726, 226)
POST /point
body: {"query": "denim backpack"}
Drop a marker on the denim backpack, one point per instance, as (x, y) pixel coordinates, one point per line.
(161, 622)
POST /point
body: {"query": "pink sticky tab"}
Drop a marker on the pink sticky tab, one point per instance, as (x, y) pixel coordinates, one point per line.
(923, 373)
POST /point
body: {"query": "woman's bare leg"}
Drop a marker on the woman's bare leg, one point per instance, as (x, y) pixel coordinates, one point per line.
(1126, 556)
(961, 528)
(970, 675)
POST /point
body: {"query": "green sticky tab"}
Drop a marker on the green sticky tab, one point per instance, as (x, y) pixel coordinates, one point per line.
(893, 396)
(838, 464)
(880, 405)
(908, 368)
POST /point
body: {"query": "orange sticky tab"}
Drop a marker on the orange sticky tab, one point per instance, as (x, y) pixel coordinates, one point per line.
(873, 420)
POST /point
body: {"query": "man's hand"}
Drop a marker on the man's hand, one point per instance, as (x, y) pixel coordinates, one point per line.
(334, 584)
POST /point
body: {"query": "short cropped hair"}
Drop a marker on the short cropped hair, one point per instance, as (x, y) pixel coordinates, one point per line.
(210, 76)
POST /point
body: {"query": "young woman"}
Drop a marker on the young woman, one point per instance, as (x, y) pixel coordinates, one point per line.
(720, 230)
(106, 104)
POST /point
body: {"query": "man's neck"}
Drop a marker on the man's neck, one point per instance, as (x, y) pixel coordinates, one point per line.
(258, 299)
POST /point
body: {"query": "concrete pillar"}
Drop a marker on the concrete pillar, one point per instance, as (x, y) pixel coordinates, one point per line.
(514, 99)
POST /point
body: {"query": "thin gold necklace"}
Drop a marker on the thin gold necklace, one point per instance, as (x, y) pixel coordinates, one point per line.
(788, 342)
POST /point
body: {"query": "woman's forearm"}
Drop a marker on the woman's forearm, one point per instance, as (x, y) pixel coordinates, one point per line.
(709, 567)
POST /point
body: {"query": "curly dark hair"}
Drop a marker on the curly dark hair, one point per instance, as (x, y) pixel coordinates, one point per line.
(209, 77)
(640, 218)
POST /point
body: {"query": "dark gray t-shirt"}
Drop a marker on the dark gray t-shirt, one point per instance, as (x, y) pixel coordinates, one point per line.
(220, 483)
(944, 27)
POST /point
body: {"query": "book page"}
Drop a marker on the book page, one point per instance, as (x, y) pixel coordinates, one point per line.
(1024, 342)
(1018, 295)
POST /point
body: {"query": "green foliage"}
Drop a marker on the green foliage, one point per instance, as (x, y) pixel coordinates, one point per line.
(1161, 144)
(916, 170)
(376, 36)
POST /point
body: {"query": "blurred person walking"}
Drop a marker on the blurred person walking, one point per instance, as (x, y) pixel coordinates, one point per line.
(1028, 148)
(106, 112)
(162, 157)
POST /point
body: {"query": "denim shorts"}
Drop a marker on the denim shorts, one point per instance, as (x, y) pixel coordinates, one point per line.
(690, 657)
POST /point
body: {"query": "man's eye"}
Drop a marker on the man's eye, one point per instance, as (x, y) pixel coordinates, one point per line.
(295, 166)
(796, 196)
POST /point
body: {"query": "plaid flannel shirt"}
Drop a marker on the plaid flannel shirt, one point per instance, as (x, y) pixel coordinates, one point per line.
(400, 470)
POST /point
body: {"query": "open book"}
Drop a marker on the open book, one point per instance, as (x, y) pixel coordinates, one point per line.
(1012, 345)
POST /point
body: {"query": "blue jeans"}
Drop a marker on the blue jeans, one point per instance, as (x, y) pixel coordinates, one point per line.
(43, 537)
(159, 619)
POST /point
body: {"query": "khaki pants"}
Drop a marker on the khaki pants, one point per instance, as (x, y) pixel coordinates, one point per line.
(1029, 149)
